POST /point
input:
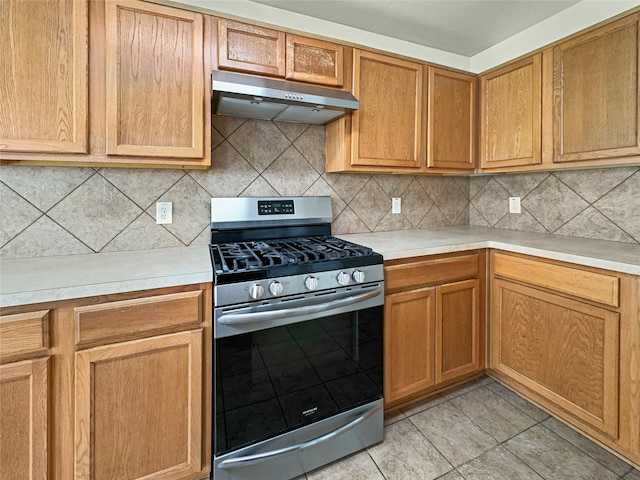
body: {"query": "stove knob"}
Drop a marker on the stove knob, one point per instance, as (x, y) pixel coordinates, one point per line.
(343, 278)
(358, 276)
(311, 283)
(275, 288)
(256, 291)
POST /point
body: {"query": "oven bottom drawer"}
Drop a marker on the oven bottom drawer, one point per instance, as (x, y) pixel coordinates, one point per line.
(304, 449)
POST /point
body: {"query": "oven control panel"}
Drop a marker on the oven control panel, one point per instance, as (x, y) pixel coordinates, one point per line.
(275, 207)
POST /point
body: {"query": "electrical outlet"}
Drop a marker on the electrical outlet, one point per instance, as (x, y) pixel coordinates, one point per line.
(514, 205)
(396, 205)
(164, 213)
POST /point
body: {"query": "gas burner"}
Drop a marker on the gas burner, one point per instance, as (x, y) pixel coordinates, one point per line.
(256, 255)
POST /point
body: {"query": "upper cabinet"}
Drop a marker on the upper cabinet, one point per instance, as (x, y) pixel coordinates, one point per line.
(138, 95)
(43, 83)
(264, 51)
(387, 129)
(412, 119)
(511, 114)
(154, 80)
(574, 104)
(452, 113)
(595, 94)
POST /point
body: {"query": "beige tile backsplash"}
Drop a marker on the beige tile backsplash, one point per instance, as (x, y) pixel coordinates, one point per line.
(68, 210)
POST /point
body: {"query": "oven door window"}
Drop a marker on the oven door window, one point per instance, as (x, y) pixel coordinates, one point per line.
(272, 381)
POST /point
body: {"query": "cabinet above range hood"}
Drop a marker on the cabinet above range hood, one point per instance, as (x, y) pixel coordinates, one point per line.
(239, 95)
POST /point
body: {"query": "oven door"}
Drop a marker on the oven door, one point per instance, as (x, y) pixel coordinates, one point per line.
(294, 375)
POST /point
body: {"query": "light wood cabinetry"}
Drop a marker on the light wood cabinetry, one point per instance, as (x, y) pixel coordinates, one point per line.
(115, 386)
(567, 337)
(263, 51)
(451, 136)
(596, 103)
(147, 71)
(433, 323)
(413, 118)
(138, 408)
(43, 83)
(511, 114)
(155, 80)
(24, 394)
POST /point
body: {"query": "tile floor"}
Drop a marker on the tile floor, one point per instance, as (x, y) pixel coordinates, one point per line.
(480, 431)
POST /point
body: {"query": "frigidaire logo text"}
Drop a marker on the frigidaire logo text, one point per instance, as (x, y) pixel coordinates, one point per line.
(310, 411)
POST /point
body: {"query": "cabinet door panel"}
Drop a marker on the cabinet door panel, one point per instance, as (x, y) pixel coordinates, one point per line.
(248, 48)
(43, 76)
(387, 128)
(24, 419)
(457, 330)
(564, 350)
(314, 61)
(155, 81)
(452, 113)
(511, 115)
(409, 336)
(595, 87)
(138, 408)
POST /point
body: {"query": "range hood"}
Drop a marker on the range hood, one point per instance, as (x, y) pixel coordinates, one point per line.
(240, 95)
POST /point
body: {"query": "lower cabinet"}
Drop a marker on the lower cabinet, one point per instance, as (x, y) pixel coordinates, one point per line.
(568, 338)
(24, 419)
(24, 395)
(138, 408)
(433, 323)
(116, 390)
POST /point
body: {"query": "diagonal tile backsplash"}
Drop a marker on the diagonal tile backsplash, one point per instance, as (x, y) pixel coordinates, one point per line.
(596, 203)
(68, 210)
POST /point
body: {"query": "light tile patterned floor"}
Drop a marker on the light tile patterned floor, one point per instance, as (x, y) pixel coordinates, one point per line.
(480, 431)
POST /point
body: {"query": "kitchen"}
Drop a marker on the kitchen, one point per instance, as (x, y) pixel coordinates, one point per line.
(257, 158)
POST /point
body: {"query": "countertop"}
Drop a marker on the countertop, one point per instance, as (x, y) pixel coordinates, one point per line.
(620, 257)
(49, 279)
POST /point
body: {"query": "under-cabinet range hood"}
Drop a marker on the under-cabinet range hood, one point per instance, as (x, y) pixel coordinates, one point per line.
(240, 95)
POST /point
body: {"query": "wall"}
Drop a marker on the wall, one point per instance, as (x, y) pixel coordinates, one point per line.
(598, 203)
(66, 210)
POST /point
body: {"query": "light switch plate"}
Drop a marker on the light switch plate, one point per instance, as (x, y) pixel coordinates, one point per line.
(514, 205)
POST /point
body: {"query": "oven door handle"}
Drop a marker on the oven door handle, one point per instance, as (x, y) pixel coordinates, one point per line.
(238, 318)
(259, 457)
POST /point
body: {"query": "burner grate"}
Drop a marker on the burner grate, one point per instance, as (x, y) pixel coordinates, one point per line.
(256, 255)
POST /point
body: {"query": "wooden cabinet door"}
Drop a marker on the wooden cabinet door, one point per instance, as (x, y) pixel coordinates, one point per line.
(43, 76)
(386, 129)
(596, 110)
(452, 120)
(248, 48)
(564, 351)
(155, 81)
(457, 343)
(511, 115)
(138, 408)
(409, 337)
(314, 61)
(24, 419)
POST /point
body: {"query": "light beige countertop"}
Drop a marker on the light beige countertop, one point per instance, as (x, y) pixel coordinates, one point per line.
(49, 279)
(620, 257)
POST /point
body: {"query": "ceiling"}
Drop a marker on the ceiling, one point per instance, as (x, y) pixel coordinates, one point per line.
(464, 27)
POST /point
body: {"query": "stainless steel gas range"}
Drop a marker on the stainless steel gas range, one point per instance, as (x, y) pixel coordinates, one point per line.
(297, 339)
